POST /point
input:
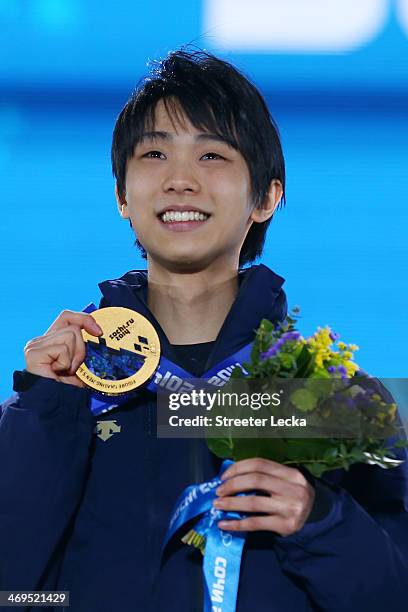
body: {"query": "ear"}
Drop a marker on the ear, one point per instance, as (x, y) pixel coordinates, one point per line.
(122, 204)
(270, 203)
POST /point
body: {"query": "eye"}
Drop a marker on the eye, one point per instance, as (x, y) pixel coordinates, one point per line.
(154, 155)
(213, 156)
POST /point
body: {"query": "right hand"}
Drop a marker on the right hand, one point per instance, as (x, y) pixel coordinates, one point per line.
(61, 350)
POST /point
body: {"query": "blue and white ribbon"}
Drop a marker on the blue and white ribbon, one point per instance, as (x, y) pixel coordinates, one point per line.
(223, 550)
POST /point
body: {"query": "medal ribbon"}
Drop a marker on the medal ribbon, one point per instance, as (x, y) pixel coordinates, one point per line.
(223, 550)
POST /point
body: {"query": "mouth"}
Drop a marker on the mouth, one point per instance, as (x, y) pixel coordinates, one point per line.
(177, 216)
(183, 220)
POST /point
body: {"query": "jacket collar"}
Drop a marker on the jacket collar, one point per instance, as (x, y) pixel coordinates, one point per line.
(259, 296)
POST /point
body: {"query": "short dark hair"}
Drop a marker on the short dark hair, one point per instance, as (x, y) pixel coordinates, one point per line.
(216, 97)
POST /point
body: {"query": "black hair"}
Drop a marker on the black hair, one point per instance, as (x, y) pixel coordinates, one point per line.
(216, 97)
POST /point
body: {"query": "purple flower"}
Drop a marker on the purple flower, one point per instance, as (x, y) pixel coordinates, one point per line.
(334, 336)
(292, 335)
(342, 369)
(331, 369)
(271, 352)
(274, 349)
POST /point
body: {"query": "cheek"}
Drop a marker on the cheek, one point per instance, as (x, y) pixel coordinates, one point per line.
(142, 225)
(138, 214)
(140, 182)
(140, 198)
(234, 186)
(235, 200)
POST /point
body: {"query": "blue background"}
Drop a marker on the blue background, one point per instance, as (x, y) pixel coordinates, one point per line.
(67, 67)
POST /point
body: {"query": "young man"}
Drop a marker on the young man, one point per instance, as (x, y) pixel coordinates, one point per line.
(199, 173)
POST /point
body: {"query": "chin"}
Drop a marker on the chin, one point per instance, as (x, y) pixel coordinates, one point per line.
(183, 262)
(187, 265)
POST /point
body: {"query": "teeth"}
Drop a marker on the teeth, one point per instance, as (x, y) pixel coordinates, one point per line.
(171, 215)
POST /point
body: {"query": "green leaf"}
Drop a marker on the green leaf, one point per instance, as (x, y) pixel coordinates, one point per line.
(221, 447)
(317, 469)
(401, 444)
(304, 362)
(357, 455)
(331, 453)
(303, 399)
(287, 360)
(343, 449)
(319, 386)
(266, 326)
(310, 449)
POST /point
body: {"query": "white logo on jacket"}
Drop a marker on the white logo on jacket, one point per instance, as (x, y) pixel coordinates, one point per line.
(106, 429)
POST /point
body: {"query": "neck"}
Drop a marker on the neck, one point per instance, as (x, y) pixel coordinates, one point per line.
(191, 307)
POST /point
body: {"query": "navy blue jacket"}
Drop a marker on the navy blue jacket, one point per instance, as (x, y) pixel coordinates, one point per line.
(88, 515)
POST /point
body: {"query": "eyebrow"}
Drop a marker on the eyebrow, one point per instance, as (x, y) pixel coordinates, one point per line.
(167, 136)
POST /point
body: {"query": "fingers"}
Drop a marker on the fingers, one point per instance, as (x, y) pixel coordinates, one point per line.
(81, 319)
(283, 509)
(260, 523)
(60, 350)
(75, 342)
(258, 504)
(37, 359)
(264, 466)
(69, 341)
(72, 380)
(257, 482)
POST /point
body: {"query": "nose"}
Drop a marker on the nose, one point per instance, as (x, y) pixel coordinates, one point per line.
(181, 179)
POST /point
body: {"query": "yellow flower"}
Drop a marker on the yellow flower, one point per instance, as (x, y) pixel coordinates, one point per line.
(351, 368)
(392, 410)
(319, 360)
(319, 345)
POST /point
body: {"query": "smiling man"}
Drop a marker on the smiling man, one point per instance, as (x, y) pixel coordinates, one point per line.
(188, 196)
(85, 505)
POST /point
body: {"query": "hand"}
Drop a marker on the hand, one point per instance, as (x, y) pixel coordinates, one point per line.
(61, 350)
(285, 506)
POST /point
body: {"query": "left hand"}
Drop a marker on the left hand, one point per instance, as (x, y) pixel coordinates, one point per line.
(285, 506)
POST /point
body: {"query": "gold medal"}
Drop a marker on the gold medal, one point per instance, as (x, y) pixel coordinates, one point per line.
(124, 357)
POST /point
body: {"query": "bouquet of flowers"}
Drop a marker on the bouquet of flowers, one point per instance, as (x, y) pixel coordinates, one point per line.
(324, 383)
(332, 386)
